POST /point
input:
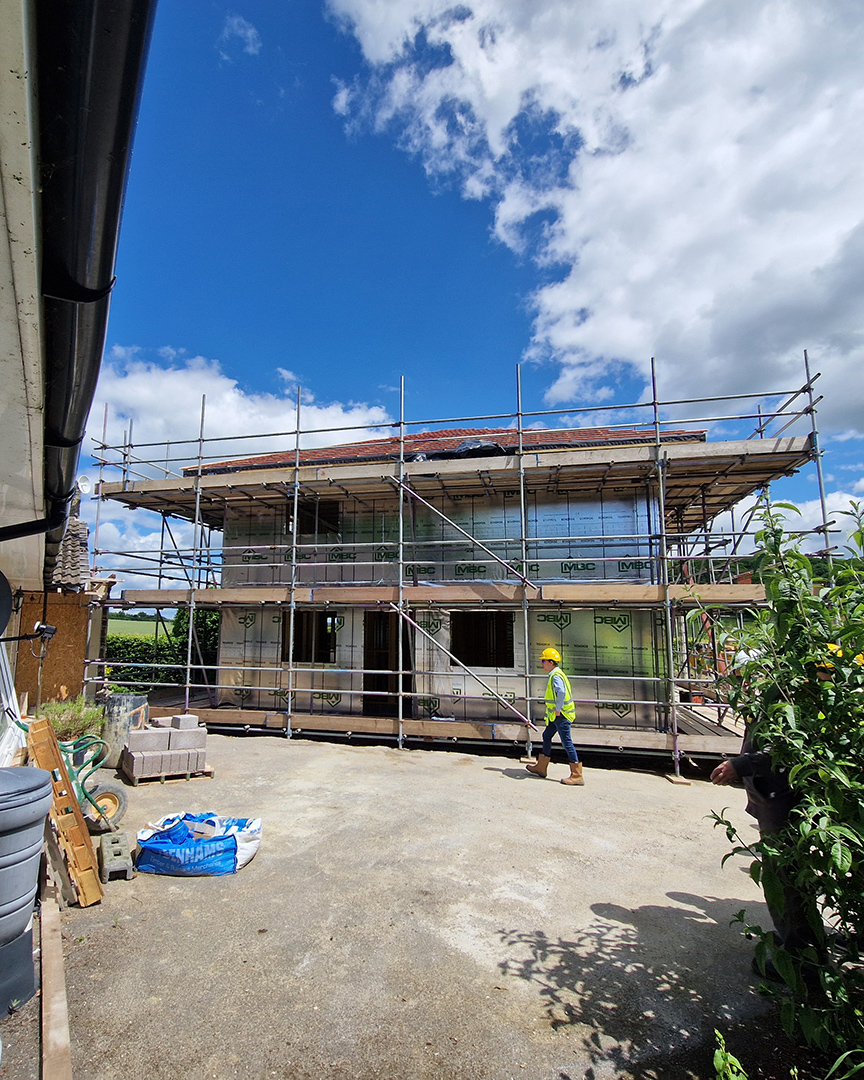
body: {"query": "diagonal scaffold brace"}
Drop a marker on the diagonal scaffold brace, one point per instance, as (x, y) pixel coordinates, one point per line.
(404, 615)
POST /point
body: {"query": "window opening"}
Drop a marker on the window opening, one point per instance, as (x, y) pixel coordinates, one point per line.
(314, 637)
(317, 517)
(482, 638)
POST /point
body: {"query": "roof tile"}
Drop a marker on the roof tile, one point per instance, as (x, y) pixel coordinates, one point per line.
(449, 440)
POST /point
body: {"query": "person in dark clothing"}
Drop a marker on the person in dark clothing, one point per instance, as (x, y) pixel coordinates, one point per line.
(770, 800)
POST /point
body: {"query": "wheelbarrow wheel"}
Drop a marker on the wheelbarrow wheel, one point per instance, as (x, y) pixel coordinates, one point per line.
(112, 801)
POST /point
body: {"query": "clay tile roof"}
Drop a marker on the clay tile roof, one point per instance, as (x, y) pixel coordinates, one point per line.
(72, 569)
(446, 442)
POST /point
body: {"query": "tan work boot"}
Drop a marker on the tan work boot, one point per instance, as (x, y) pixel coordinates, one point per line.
(575, 777)
(540, 768)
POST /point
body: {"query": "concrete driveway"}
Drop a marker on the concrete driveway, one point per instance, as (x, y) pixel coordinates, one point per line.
(418, 914)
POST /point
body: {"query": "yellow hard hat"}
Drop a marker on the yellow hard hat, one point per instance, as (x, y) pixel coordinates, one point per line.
(551, 654)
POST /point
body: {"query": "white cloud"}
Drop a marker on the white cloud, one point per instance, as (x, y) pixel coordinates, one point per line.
(237, 28)
(837, 504)
(161, 404)
(688, 170)
(746, 523)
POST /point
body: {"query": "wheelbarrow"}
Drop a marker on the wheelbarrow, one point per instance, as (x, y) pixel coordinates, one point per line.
(103, 804)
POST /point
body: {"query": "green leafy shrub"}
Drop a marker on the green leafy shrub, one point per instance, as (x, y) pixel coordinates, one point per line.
(72, 718)
(135, 662)
(726, 1065)
(207, 625)
(138, 663)
(800, 684)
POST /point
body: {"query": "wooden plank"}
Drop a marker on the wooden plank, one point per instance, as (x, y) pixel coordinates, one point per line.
(329, 594)
(490, 730)
(417, 594)
(655, 740)
(613, 592)
(373, 725)
(257, 718)
(377, 473)
(252, 594)
(501, 594)
(356, 594)
(207, 773)
(724, 742)
(589, 594)
(56, 1049)
(758, 455)
(66, 814)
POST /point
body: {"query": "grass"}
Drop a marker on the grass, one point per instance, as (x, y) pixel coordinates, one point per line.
(72, 718)
(133, 627)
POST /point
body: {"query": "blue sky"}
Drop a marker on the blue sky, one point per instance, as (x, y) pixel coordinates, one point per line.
(339, 192)
(258, 233)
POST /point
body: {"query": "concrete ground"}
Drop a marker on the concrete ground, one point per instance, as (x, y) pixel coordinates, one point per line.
(418, 914)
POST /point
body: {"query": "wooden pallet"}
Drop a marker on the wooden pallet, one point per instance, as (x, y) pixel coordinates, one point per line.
(65, 814)
(172, 778)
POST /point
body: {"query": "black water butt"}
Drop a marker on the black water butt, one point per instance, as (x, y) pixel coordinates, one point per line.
(25, 797)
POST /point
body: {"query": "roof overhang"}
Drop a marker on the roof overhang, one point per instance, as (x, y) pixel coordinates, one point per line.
(70, 80)
(702, 479)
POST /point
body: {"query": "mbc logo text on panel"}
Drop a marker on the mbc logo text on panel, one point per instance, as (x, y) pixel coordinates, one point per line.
(471, 570)
(568, 569)
(618, 707)
(561, 619)
(340, 555)
(618, 622)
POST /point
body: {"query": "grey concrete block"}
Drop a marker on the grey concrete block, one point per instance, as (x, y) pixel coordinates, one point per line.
(179, 761)
(191, 739)
(114, 856)
(160, 721)
(185, 721)
(148, 739)
(197, 760)
(143, 763)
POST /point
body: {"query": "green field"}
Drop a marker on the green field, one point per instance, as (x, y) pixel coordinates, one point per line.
(137, 627)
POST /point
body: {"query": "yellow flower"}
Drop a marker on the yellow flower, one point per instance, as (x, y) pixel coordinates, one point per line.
(835, 648)
(859, 659)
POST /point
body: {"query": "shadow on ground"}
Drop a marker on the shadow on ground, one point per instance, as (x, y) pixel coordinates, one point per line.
(645, 1016)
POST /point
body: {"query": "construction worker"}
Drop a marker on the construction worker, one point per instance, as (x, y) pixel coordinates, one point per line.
(560, 714)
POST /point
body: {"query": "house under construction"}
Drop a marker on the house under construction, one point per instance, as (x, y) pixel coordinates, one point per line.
(404, 585)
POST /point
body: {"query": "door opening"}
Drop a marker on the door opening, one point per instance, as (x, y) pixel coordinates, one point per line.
(381, 661)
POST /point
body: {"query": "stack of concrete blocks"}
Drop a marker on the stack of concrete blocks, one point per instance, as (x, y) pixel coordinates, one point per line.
(168, 747)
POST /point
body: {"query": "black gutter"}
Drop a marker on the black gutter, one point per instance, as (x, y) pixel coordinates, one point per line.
(90, 58)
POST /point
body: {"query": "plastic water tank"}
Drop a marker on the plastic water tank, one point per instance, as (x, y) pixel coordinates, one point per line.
(25, 798)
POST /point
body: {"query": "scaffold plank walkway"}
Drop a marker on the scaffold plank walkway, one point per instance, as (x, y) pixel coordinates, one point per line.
(722, 743)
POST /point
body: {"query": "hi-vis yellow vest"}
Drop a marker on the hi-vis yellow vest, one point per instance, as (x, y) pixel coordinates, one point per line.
(568, 710)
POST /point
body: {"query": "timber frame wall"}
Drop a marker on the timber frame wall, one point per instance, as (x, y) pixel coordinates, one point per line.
(689, 553)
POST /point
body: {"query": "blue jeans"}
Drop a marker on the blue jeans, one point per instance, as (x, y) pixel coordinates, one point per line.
(562, 725)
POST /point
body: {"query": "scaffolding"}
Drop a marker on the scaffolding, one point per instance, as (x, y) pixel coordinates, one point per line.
(681, 552)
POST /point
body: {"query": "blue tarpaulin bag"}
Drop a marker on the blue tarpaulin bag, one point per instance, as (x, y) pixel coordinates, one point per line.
(190, 845)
